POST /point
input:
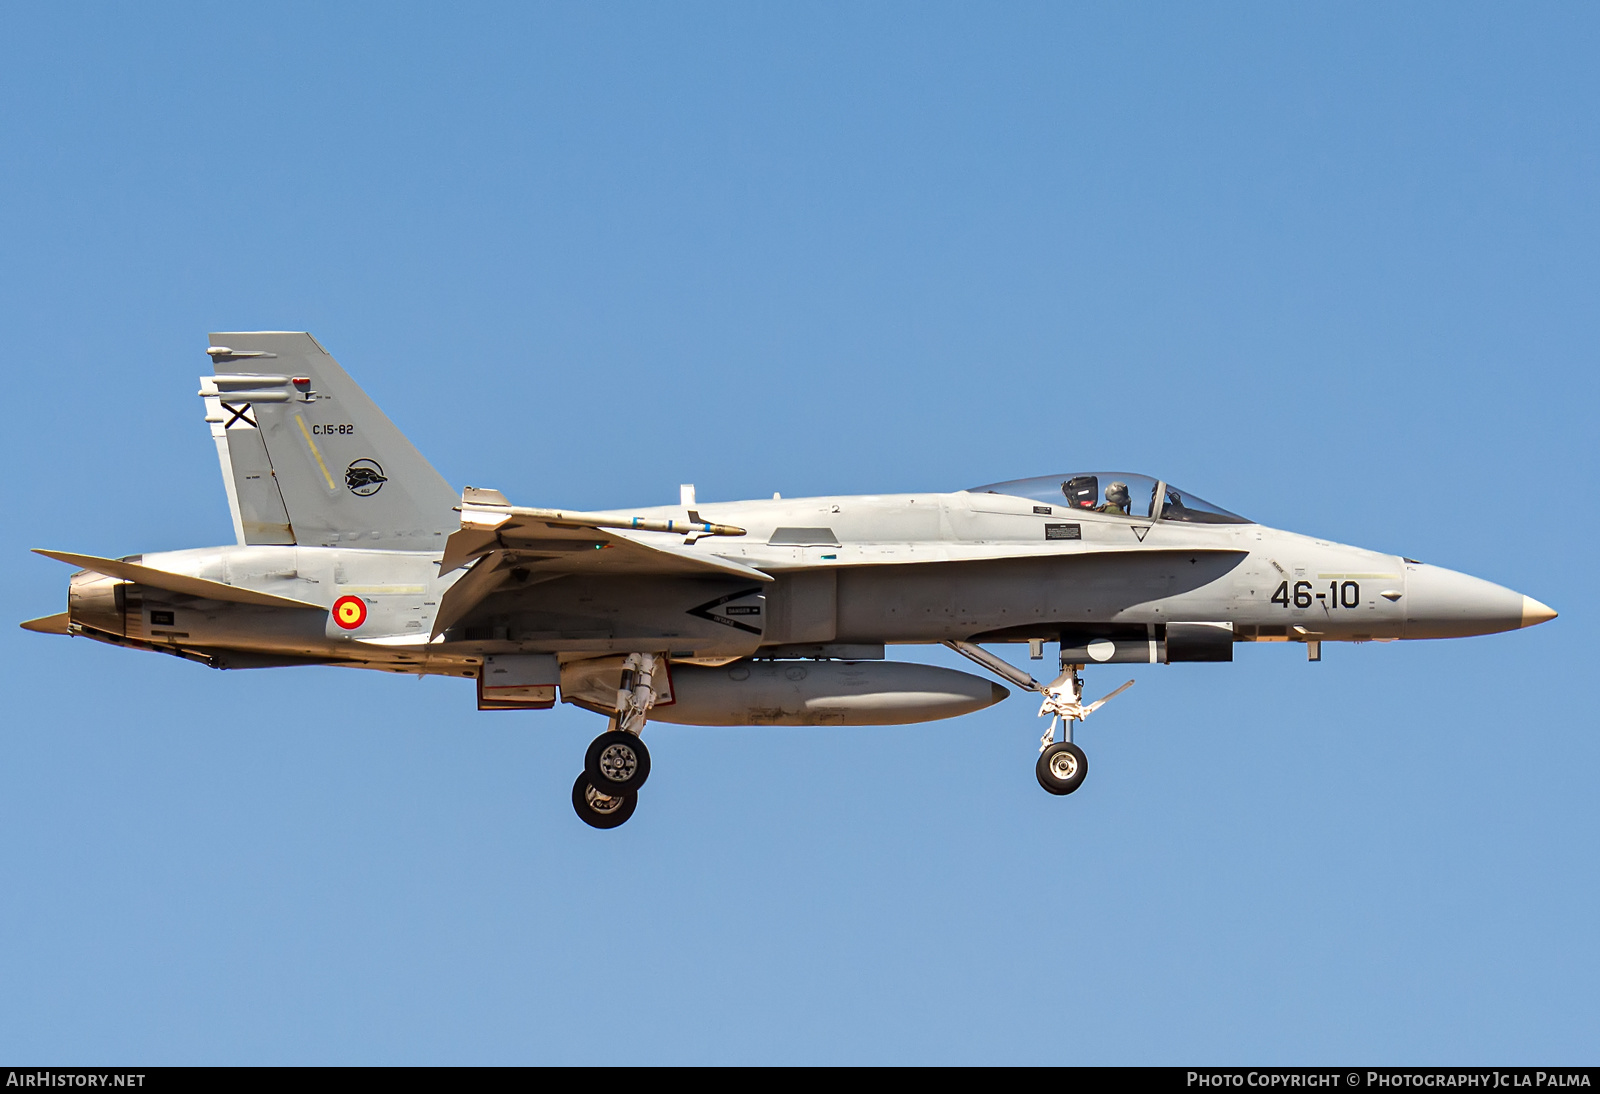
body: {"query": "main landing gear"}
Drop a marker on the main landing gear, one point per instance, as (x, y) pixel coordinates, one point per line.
(1061, 766)
(617, 762)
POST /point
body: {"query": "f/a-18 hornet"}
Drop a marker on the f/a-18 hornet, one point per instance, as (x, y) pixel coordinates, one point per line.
(353, 551)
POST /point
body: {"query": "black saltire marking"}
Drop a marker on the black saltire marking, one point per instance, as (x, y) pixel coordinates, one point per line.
(241, 413)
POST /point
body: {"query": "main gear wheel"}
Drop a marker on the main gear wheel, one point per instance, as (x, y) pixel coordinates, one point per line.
(599, 810)
(617, 762)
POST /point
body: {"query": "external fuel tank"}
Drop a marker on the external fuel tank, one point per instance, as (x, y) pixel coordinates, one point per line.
(792, 693)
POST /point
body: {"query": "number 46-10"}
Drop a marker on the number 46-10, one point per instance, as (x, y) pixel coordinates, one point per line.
(1345, 595)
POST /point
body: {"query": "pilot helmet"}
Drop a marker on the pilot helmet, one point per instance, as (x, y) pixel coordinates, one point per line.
(1117, 494)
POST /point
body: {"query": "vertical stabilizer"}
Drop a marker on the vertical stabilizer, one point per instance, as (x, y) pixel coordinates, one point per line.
(308, 458)
(254, 500)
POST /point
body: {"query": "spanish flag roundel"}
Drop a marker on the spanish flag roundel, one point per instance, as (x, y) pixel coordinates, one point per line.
(349, 612)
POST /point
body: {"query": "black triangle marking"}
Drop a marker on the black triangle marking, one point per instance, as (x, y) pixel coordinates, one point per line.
(704, 610)
(1141, 532)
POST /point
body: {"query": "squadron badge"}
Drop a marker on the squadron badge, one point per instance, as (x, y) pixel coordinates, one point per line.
(364, 478)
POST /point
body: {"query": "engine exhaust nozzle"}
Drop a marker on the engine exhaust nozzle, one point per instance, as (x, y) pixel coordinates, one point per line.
(98, 602)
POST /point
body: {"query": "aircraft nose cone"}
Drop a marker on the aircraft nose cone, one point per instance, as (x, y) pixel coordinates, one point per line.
(1534, 613)
(1442, 603)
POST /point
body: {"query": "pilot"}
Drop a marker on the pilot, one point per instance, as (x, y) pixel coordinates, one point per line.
(1117, 499)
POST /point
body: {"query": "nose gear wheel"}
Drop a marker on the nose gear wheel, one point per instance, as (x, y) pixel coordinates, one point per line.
(1061, 768)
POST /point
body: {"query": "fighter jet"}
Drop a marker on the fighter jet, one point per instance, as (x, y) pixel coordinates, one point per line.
(352, 550)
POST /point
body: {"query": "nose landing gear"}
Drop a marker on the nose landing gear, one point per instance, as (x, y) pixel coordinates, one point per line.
(617, 762)
(1061, 766)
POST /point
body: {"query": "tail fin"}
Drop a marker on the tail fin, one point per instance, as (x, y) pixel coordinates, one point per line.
(307, 458)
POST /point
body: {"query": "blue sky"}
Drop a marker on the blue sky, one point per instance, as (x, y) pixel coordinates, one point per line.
(1330, 266)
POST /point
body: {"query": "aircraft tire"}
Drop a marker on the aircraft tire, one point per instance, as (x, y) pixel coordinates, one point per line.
(1061, 767)
(617, 753)
(595, 809)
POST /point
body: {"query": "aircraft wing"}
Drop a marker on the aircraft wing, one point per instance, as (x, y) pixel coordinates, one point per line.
(566, 542)
(540, 548)
(496, 538)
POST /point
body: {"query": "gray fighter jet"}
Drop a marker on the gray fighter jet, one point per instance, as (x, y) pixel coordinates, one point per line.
(353, 551)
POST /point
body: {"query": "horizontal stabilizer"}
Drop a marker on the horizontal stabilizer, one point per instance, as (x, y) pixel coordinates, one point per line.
(48, 624)
(175, 583)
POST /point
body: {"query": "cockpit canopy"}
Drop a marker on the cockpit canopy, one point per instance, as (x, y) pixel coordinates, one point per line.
(1116, 493)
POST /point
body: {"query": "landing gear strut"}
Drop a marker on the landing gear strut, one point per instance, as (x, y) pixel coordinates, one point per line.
(617, 762)
(1062, 765)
